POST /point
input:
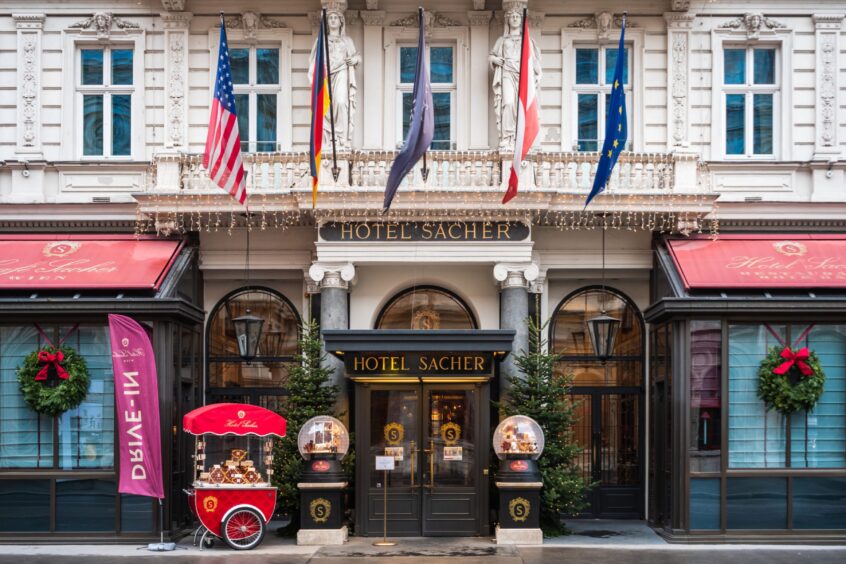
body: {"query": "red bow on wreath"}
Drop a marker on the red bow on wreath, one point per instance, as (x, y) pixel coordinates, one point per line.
(51, 359)
(798, 358)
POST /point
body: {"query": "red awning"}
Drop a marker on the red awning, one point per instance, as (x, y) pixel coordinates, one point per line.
(233, 419)
(761, 261)
(85, 262)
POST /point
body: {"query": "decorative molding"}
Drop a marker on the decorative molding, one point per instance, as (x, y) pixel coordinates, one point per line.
(678, 27)
(102, 23)
(176, 71)
(828, 21)
(753, 23)
(515, 275)
(372, 17)
(479, 18)
(29, 29)
(828, 90)
(680, 5)
(176, 20)
(679, 20)
(251, 22)
(372, 4)
(430, 20)
(536, 19)
(173, 5)
(334, 5)
(332, 275)
(604, 22)
(478, 4)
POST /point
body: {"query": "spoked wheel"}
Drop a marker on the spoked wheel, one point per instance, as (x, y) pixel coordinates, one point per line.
(243, 529)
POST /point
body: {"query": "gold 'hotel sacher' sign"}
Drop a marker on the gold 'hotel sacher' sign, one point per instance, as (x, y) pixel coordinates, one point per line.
(412, 364)
(424, 231)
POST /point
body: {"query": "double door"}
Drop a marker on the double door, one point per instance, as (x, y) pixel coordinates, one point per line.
(437, 435)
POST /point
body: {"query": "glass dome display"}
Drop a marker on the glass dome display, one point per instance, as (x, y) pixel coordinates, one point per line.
(518, 436)
(323, 435)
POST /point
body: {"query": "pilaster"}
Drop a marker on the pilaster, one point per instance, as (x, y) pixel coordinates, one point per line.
(827, 34)
(678, 87)
(372, 61)
(479, 47)
(176, 25)
(28, 139)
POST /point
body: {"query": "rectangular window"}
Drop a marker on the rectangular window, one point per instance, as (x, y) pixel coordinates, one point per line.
(705, 396)
(750, 94)
(105, 86)
(441, 63)
(255, 80)
(594, 69)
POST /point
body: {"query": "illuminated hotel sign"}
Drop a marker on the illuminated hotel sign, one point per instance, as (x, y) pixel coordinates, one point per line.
(415, 364)
(417, 231)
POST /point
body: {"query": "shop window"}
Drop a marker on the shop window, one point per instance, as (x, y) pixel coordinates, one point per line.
(442, 76)
(255, 82)
(228, 372)
(85, 505)
(594, 80)
(705, 398)
(31, 502)
(105, 89)
(818, 503)
(426, 307)
(136, 514)
(705, 504)
(756, 503)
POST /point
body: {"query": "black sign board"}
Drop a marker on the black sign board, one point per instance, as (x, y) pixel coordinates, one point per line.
(413, 364)
(416, 231)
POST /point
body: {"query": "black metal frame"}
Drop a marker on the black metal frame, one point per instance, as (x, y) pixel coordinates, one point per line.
(401, 294)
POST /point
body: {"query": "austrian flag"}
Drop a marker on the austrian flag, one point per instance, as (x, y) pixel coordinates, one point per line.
(528, 123)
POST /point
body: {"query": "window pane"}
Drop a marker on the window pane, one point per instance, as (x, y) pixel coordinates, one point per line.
(31, 502)
(443, 118)
(756, 436)
(121, 66)
(92, 66)
(85, 505)
(588, 132)
(611, 65)
(267, 66)
(764, 66)
(441, 64)
(26, 438)
(136, 514)
(734, 61)
(407, 102)
(242, 110)
(266, 122)
(735, 124)
(587, 66)
(762, 128)
(818, 503)
(239, 61)
(121, 124)
(756, 503)
(705, 418)
(425, 309)
(92, 124)
(408, 62)
(705, 504)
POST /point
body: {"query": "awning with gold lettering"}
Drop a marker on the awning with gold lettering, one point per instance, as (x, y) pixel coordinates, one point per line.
(761, 261)
(85, 262)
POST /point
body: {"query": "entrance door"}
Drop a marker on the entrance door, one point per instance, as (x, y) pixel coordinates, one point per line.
(433, 431)
(609, 433)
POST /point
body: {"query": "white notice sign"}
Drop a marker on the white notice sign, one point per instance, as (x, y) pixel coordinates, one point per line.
(384, 463)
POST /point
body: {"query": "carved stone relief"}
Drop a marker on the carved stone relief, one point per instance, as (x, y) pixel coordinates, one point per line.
(828, 91)
(679, 110)
(29, 28)
(103, 23)
(753, 23)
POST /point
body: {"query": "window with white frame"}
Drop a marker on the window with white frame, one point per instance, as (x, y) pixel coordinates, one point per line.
(442, 71)
(105, 87)
(594, 67)
(750, 97)
(255, 81)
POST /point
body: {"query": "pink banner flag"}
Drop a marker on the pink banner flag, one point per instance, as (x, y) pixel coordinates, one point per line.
(137, 403)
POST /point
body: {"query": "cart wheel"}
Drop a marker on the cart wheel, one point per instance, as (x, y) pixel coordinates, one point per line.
(208, 542)
(243, 529)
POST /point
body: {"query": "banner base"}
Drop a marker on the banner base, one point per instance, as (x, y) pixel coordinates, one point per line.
(161, 546)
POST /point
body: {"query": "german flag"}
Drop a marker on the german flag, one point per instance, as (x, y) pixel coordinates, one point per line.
(319, 106)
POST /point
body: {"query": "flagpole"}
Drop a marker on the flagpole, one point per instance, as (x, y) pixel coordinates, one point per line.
(520, 77)
(425, 170)
(335, 170)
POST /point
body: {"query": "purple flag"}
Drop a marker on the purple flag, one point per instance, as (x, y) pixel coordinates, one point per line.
(422, 129)
(137, 403)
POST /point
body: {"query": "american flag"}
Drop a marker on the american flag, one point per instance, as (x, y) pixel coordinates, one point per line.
(223, 145)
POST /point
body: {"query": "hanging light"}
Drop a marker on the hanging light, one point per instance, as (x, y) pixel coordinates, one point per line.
(603, 328)
(248, 332)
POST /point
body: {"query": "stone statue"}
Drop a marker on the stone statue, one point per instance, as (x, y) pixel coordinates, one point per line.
(505, 61)
(343, 59)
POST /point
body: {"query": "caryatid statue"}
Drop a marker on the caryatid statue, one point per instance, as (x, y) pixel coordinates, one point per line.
(505, 61)
(343, 59)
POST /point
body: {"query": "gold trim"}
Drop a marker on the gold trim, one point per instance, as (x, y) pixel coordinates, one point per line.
(324, 506)
(419, 379)
(519, 509)
(440, 380)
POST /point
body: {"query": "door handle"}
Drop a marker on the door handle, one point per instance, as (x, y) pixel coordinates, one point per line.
(430, 452)
(412, 451)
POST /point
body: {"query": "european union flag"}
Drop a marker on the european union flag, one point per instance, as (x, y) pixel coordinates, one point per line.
(616, 131)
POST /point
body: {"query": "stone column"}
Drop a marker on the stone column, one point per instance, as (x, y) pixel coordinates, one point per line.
(828, 183)
(334, 281)
(372, 60)
(479, 78)
(678, 88)
(514, 282)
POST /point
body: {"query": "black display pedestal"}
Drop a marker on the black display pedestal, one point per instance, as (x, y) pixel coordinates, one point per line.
(519, 484)
(322, 502)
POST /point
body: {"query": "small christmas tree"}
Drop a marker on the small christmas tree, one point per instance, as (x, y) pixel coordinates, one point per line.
(544, 395)
(309, 395)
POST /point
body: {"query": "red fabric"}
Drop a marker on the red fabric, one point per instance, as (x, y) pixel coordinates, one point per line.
(51, 359)
(212, 504)
(761, 261)
(234, 419)
(796, 358)
(85, 262)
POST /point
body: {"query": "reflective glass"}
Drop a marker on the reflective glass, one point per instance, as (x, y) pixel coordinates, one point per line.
(92, 66)
(705, 397)
(121, 124)
(408, 63)
(734, 63)
(762, 128)
(764, 61)
(266, 124)
(611, 65)
(425, 308)
(239, 62)
(267, 66)
(583, 436)
(735, 124)
(588, 122)
(705, 504)
(242, 110)
(570, 331)
(407, 103)
(587, 66)
(440, 60)
(92, 124)
(620, 452)
(451, 437)
(136, 514)
(85, 505)
(443, 119)
(819, 503)
(394, 417)
(121, 66)
(26, 505)
(756, 503)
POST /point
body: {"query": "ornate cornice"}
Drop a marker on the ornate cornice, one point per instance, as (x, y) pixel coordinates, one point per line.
(515, 275)
(479, 18)
(332, 275)
(828, 21)
(679, 20)
(103, 23)
(251, 22)
(173, 5)
(176, 20)
(753, 23)
(29, 21)
(430, 20)
(372, 17)
(680, 5)
(603, 22)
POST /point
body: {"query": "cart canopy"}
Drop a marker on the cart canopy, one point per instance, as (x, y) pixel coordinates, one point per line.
(233, 419)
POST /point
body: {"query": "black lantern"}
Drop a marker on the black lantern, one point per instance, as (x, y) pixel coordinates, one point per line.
(603, 332)
(248, 332)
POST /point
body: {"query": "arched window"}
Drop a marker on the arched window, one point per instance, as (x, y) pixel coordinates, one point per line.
(426, 307)
(571, 339)
(262, 380)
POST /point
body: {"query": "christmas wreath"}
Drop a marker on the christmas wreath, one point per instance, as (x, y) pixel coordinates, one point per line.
(53, 396)
(790, 380)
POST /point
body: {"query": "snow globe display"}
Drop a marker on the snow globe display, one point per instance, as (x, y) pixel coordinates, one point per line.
(323, 442)
(518, 443)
